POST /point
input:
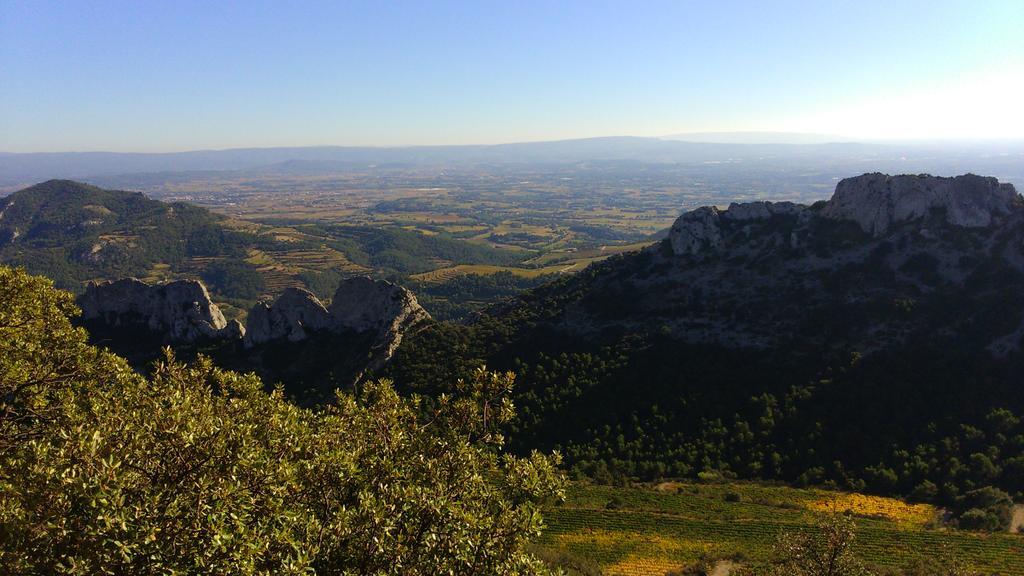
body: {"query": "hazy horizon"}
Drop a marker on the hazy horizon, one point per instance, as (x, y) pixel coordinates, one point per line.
(740, 137)
(128, 77)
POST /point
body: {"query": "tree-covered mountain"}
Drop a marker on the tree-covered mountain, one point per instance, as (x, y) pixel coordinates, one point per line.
(73, 232)
(870, 341)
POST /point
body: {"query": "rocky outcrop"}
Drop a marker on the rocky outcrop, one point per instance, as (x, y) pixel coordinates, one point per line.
(363, 304)
(761, 210)
(747, 276)
(700, 230)
(877, 201)
(290, 317)
(696, 231)
(233, 331)
(180, 311)
(382, 308)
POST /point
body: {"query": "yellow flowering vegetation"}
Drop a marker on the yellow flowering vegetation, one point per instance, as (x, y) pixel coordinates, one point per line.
(647, 553)
(909, 515)
(636, 565)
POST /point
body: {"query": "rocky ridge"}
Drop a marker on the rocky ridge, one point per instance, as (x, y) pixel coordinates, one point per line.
(291, 317)
(763, 274)
(180, 311)
(378, 308)
(386, 310)
(876, 202)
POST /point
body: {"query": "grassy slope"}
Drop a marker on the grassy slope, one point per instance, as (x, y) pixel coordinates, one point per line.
(648, 531)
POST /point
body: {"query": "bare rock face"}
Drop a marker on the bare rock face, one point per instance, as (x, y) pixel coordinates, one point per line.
(290, 317)
(180, 311)
(379, 309)
(877, 201)
(746, 276)
(700, 230)
(696, 231)
(233, 331)
(363, 304)
(385, 309)
(760, 210)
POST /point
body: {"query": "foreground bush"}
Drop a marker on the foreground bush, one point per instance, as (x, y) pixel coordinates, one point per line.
(826, 550)
(196, 470)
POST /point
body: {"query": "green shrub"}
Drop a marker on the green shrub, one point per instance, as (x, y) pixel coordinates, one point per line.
(196, 470)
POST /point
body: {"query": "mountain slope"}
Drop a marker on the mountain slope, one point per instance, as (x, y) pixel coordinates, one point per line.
(868, 341)
(73, 232)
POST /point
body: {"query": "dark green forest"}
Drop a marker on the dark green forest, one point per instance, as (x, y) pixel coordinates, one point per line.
(459, 298)
(932, 420)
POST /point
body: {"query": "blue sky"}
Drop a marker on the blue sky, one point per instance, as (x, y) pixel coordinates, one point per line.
(156, 76)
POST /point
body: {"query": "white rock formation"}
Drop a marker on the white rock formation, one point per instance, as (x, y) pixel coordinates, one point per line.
(363, 304)
(290, 317)
(181, 311)
(387, 310)
(760, 210)
(877, 201)
(696, 231)
(700, 230)
(360, 305)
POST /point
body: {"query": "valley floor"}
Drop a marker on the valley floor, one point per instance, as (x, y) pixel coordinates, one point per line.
(641, 531)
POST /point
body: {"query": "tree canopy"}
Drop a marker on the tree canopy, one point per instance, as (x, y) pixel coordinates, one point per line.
(198, 470)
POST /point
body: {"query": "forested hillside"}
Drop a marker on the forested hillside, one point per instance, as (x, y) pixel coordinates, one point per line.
(73, 232)
(792, 345)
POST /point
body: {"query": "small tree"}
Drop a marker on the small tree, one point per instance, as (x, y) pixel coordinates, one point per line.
(824, 551)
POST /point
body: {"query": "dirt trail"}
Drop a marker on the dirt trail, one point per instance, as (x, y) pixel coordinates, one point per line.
(723, 568)
(1018, 519)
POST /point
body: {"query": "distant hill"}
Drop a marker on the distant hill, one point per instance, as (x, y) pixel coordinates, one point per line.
(748, 148)
(73, 232)
(759, 137)
(33, 166)
(872, 341)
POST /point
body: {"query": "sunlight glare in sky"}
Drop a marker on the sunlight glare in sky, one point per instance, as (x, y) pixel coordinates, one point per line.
(987, 105)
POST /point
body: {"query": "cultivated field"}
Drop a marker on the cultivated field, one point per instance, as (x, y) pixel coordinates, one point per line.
(655, 529)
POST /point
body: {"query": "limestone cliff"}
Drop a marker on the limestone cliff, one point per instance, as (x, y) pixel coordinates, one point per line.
(179, 312)
(761, 274)
(380, 307)
(290, 317)
(877, 202)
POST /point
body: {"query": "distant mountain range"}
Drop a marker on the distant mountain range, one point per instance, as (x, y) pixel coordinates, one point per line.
(999, 158)
(759, 137)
